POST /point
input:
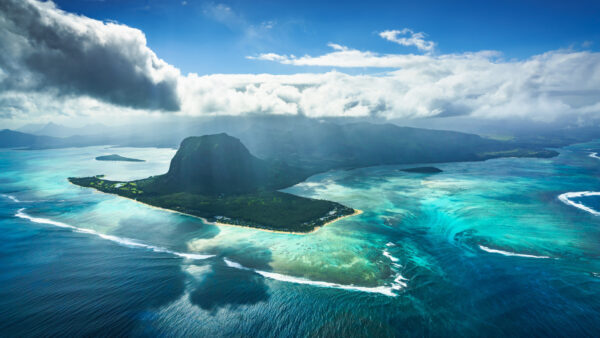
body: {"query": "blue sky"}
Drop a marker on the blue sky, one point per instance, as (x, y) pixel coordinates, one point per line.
(208, 37)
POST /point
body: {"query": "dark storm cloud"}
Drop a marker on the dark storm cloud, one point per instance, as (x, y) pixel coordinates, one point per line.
(47, 49)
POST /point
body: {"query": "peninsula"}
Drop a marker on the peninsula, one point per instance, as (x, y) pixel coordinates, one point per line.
(217, 178)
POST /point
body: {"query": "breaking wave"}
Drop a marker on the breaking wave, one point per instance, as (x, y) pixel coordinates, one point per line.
(119, 240)
(566, 198)
(12, 198)
(384, 290)
(508, 253)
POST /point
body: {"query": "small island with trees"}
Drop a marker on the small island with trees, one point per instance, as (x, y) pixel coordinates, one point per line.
(115, 157)
(423, 170)
(215, 177)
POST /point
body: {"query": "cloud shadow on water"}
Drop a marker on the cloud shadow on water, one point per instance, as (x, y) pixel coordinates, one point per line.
(230, 287)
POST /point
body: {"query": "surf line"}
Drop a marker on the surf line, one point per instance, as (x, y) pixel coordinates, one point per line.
(384, 290)
(566, 198)
(119, 240)
(12, 198)
(507, 253)
(400, 281)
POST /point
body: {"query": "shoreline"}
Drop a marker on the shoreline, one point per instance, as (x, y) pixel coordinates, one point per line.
(356, 212)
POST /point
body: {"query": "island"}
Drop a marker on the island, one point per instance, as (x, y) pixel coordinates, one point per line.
(215, 177)
(115, 157)
(423, 170)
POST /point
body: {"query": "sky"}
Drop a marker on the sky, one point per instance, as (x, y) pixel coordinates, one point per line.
(208, 37)
(95, 60)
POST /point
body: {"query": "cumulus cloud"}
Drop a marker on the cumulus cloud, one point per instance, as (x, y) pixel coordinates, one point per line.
(45, 49)
(407, 37)
(542, 87)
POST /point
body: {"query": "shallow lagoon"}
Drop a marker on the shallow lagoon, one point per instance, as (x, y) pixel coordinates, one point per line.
(448, 253)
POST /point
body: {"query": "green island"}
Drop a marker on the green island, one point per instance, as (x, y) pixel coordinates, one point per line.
(422, 170)
(115, 157)
(215, 177)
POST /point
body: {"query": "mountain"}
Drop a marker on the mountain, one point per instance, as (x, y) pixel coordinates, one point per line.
(322, 146)
(317, 145)
(216, 177)
(14, 139)
(221, 164)
(57, 130)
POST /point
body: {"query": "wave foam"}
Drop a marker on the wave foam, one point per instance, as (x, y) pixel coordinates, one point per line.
(594, 155)
(399, 281)
(384, 290)
(119, 240)
(388, 255)
(566, 198)
(12, 198)
(507, 253)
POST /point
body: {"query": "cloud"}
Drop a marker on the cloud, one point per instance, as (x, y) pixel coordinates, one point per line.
(345, 57)
(48, 50)
(236, 22)
(543, 87)
(409, 38)
(224, 14)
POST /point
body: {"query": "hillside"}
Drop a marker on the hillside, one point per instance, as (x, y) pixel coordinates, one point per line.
(221, 164)
(317, 146)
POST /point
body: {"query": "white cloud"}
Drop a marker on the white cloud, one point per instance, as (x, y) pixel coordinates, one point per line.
(543, 87)
(345, 57)
(223, 14)
(409, 38)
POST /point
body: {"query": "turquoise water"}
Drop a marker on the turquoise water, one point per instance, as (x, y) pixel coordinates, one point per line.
(484, 248)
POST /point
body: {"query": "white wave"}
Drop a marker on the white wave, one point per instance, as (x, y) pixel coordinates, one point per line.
(12, 198)
(390, 244)
(566, 198)
(384, 290)
(507, 253)
(119, 240)
(399, 282)
(594, 155)
(388, 255)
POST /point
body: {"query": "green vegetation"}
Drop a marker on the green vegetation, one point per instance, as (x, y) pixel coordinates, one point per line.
(115, 157)
(539, 153)
(216, 177)
(271, 210)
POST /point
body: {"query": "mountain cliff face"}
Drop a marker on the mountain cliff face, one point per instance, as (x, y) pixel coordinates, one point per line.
(221, 164)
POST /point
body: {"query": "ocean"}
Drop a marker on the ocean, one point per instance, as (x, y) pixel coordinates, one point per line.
(502, 247)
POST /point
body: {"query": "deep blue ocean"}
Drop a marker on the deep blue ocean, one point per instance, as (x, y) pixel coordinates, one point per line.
(502, 247)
